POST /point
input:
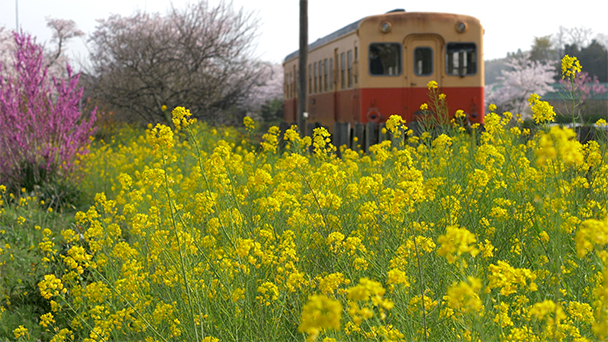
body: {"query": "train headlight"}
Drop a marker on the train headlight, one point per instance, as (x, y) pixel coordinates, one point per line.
(385, 27)
(461, 27)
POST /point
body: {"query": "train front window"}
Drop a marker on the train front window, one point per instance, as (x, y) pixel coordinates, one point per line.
(385, 59)
(423, 61)
(461, 59)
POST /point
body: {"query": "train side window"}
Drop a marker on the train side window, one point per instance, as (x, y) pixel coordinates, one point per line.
(309, 79)
(331, 74)
(288, 84)
(350, 68)
(461, 59)
(355, 71)
(316, 76)
(423, 61)
(385, 59)
(325, 74)
(342, 70)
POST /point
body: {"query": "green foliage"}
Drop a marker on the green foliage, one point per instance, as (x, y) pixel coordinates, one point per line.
(272, 110)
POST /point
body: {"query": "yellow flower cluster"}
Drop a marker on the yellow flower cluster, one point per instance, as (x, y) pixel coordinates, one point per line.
(51, 286)
(320, 312)
(542, 111)
(506, 278)
(463, 296)
(21, 331)
(570, 67)
(455, 243)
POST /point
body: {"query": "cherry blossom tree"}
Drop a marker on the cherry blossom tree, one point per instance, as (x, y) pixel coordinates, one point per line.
(63, 32)
(521, 78)
(199, 58)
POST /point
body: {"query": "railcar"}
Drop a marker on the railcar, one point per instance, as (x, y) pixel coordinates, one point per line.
(380, 65)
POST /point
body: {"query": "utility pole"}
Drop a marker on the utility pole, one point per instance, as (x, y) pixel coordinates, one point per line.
(303, 56)
(16, 15)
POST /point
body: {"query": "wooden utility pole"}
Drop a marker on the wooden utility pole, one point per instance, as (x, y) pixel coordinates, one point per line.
(303, 56)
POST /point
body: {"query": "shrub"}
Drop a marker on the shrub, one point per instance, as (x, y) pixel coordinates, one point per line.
(42, 130)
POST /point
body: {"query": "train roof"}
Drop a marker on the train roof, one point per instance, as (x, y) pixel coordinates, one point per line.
(345, 30)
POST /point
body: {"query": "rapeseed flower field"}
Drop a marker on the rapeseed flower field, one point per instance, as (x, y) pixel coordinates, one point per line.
(200, 234)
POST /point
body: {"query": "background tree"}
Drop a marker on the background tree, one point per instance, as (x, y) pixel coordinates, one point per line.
(63, 32)
(542, 49)
(521, 78)
(54, 57)
(266, 100)
(593, 58)
(200, 58)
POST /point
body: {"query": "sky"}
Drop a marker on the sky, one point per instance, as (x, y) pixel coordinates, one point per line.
(509, 26)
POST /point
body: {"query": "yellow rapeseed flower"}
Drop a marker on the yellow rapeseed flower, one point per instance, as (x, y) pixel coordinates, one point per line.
(21, 331)
(456, 242)
(249, 123)
(464, 297)
(542, 111)
(319, 313)
(570, 67)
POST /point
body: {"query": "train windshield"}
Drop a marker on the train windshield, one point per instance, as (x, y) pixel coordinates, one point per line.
(385, 59)
(461, 59)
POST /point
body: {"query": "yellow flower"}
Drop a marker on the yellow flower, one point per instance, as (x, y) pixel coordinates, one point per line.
(506, 277)
(424, 106)
(397, 276)
(394, 123)
(46, 320)
(269, 293)
(492, 107)
(464, 297)
(592, 234)
(249, 123)
(160, 136)
(331, 282)
(181, 117)
(51, 286)
(21, 331)
(455, 242)
(319, 313)
(432, 85)
(211, 339)
(570, 67)
(542, 111)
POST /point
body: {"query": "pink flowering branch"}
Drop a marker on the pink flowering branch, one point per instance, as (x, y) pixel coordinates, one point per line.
(42, 130)
(583, 86)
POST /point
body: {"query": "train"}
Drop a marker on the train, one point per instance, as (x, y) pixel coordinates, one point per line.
(381, 65)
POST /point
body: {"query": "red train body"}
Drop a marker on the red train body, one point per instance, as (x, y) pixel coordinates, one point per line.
(381, 65)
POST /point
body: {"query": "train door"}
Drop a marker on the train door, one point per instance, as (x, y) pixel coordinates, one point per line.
(423, 64)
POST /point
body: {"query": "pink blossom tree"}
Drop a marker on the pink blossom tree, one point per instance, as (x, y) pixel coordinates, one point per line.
(583, 86)
(42, 130)
(522, 78)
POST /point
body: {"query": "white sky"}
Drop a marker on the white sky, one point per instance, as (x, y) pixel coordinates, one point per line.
(509, 25)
